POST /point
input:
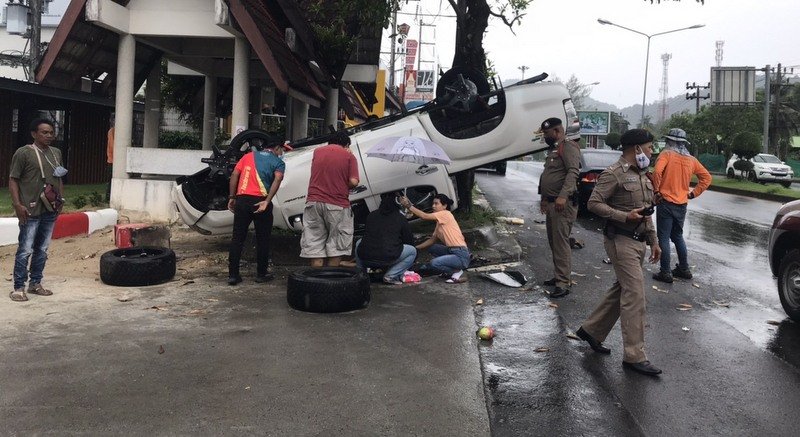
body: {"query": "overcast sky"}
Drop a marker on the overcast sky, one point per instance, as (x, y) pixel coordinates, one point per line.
(563, 37)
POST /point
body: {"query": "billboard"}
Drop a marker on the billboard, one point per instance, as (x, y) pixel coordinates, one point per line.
(733, 85)
(411, 52)
(594, 122)
(425, 80)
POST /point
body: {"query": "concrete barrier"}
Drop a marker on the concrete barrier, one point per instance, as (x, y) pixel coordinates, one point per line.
(67, 225)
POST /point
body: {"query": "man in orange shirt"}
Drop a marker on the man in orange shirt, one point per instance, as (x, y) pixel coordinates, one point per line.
(674, 170)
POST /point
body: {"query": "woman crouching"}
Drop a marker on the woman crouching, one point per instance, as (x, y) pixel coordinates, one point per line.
(451, 256)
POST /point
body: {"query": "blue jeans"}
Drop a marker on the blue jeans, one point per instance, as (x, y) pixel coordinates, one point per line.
(34, 239)
(399, 266)
(449, 259)
(669, 220)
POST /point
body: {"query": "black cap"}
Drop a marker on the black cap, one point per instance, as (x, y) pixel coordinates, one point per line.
(550, 123)
(635, 137)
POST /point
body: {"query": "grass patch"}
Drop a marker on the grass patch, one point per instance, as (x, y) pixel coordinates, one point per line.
(93, 197)
(745, 185)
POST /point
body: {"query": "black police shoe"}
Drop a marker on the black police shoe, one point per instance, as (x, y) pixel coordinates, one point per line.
(559, 292)
(645, 368)
(593, 343)
(682, 273)
(663, 277)
(233, 280)
(550, 282)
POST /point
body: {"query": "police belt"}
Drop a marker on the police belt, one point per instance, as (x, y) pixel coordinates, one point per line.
(611, 230)
(573, 197)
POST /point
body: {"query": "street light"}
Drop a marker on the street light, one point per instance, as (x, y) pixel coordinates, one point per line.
(647, 58)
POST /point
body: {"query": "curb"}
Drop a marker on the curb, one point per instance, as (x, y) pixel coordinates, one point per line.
(753, 194)
(67, 225)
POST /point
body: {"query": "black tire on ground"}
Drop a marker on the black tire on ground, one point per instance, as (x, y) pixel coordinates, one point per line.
(751, 176)
(328, 290)
(730, 173)
(789, 284)
(137, 266)
(786, 184)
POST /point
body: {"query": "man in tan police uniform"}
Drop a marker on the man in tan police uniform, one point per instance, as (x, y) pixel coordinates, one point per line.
(623, 196)
(558, 188)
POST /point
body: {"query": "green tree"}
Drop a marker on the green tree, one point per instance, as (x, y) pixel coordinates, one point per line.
(613, 140)
(578, 91)
(746, 145)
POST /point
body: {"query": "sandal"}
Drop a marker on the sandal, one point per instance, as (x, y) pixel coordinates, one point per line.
(460, 280)
(18, 295)
(39, 289)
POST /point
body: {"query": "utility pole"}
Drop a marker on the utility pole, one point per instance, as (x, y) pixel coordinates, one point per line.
(393, 55)
(777, 118)
(36, 37)
(765, 141)
(696, 95)
(523, 68)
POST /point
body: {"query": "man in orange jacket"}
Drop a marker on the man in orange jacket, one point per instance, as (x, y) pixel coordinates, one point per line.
(674, 169)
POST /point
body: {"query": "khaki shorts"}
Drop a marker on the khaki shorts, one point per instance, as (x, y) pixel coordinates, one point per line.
(327, 231)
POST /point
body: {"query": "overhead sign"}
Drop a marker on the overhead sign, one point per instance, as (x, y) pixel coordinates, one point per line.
(594, 122)
(733, 85)
(411, 52)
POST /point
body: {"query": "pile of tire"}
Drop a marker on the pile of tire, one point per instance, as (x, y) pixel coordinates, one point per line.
(328, 290)
(137, 266)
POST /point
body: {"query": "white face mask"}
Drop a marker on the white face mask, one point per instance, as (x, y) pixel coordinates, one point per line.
(641, 159)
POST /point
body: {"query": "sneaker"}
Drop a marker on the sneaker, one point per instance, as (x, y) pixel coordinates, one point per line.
(265, 278)
(39, 289)
(663, 277)
(18, 295)
(682, 273)
(391, 281)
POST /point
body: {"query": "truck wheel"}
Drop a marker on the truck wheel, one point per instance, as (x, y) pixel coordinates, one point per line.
(328, 290)
(789, 284)
(751, 176)
(501, 166)
(137, 266)
(730, 173)
(786, 184)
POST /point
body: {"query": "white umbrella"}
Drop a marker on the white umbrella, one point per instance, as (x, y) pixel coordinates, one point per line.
(409, 149)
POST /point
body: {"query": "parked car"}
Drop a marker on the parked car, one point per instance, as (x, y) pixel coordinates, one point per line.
(593, 162)
(784, 256)
(766, 168)
(474, 130)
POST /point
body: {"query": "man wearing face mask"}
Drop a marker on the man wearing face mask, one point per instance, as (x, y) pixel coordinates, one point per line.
(558, 188)
(623, 196)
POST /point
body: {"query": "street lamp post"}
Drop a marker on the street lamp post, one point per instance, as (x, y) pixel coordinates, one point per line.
(647, 56)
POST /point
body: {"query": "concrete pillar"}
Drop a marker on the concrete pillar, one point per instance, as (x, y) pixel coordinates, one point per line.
(209, 111)
(152, 107)
(241, 85)
(123, 130)
(331, 108)
(299, 126)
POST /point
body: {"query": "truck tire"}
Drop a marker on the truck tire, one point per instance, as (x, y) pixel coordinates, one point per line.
(328, 290)
(137, 266)
(788, 280)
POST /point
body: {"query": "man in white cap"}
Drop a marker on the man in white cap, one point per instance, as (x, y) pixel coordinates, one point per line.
(673, 172)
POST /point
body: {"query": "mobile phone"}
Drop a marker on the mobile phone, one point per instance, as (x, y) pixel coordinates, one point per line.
(648, 211)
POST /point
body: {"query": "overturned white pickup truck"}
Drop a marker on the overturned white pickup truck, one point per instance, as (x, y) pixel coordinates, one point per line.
(474, 130)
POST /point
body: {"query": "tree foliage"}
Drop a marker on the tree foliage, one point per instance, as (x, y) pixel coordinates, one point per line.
(613, 140)
(578, 90)
(746, 145)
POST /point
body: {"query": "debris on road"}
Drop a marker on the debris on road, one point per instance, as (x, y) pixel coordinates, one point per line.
(485, 333)
(542, 349)
(572, 335)
(509, 278)
(721, 304)
(124, 298)
(552, 305)
(684, 307)
(607, 261)
(685, 329)
(695, 285)
(575, 244)
(479, 301)
(161, 349)
(511, 220)
(774, 322)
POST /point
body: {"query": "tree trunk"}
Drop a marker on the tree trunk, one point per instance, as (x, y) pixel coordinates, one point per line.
(473, 18)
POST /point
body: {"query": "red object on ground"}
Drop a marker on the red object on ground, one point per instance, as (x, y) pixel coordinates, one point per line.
(123, 233)
(71, 224)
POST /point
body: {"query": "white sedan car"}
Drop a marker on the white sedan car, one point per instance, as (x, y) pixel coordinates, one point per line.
(766, 168)
(473, 131)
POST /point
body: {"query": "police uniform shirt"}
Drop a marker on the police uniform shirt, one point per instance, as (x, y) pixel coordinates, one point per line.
(620, 189)
(561, 168)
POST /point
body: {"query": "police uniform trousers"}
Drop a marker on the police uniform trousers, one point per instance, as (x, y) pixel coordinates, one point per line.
(625, 299)
(559, 226)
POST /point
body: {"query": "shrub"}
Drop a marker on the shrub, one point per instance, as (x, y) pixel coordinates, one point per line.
(179, 140)
(743, 166)
(613, 140)
(746, 145)
(79, 201)
(96, 199)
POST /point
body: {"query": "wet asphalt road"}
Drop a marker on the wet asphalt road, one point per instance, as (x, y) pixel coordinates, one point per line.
(726, 370)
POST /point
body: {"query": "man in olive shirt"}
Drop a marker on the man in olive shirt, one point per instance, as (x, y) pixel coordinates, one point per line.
(33, 166)
(623, 196)
(558, 188)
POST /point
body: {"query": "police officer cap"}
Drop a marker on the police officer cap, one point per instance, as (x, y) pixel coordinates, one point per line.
(550, 123)
(635, 137)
